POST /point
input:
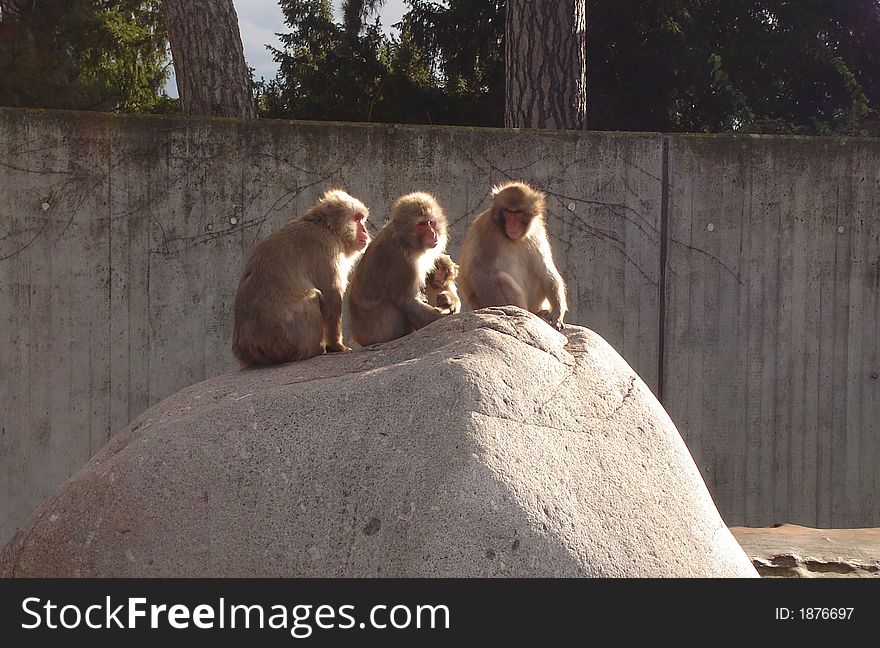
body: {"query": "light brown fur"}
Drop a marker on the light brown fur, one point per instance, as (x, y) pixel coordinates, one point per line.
(498, 270)
(384, 303)
(289, 300)
(440, 289)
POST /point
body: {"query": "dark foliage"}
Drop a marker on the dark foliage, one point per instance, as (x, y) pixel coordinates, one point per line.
(84, 55)
(811, 66)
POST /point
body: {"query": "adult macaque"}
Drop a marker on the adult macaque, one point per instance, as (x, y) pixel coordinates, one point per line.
(506, 258)
(386, 301)
(440, 289)
(289, 300)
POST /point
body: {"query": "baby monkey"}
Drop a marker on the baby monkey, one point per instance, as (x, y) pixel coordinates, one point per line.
(440, 290)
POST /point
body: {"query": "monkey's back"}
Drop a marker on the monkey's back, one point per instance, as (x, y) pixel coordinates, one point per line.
(293, 256)
(277, 313)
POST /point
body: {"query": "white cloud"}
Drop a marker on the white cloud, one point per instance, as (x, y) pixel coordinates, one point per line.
(263, 13)
(258, 22)
(254, 39)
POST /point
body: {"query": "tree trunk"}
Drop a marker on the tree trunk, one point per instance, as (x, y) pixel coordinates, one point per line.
(212, 76)
(545, 57)
(355, 12)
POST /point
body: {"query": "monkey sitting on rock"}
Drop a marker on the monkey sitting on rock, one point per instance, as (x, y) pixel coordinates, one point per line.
(386, 300)
(506, 258)
(289, 300)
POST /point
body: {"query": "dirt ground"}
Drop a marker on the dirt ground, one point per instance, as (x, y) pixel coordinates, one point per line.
(792, 551)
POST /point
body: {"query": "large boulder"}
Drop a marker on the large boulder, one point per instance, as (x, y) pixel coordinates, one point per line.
(486, 444)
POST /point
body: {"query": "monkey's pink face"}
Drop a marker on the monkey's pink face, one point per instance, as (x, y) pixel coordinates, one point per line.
(427, 232)
(363, 237)
(438, 278)
(514, 223)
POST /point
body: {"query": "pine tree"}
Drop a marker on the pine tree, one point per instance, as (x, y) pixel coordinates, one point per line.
(83, 54)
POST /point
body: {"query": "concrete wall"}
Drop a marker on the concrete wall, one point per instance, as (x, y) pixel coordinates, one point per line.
(715, 265)
(771, 324)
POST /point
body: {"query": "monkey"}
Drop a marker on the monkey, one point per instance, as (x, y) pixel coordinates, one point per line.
(289, 300)
(506, 257)
(385, 301)
(440, 290)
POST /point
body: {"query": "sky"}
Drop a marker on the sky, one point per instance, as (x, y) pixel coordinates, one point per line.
(260, 20)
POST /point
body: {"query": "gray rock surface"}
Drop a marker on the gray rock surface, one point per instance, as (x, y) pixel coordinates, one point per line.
(486, 444)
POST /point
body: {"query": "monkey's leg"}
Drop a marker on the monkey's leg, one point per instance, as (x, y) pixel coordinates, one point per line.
(510, 292)
(331, 310)
(490, 287)
(380, 324)
(303, 327)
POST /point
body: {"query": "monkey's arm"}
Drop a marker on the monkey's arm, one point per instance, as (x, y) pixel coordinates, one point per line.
(554, 287)
(418, 312)
(331, 311)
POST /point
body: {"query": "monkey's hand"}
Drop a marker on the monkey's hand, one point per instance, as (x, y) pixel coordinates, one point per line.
(553, 320)
(337, 347)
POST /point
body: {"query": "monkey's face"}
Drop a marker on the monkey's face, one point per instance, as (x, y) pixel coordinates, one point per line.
(513, 219)
(428, 232)
(419, 224)
(437, 279)
(515, 206)
(515, 223)
(448, 267)
(361, 235)
(347, 219)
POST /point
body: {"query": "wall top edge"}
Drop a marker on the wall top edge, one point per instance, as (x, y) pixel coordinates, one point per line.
(289, 123)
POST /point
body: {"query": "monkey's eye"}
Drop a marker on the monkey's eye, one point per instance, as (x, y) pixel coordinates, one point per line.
(357, 217)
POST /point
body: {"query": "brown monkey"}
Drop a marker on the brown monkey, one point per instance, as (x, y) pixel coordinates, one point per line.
(289, 300)
(385, 301)
(506, 258)
(440, 289)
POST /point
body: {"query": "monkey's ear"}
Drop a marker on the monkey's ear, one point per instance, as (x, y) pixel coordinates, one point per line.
(540, 202)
